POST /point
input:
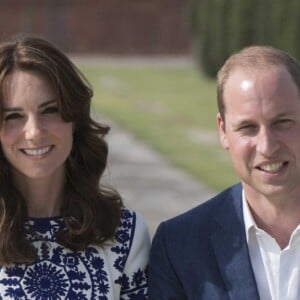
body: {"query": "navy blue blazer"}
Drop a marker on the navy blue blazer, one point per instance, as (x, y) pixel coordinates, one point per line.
(203, 253)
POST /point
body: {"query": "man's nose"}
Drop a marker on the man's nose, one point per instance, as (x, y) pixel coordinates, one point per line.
(34, 128)
(267, 142)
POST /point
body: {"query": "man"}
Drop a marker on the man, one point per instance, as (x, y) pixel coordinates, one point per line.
(244, 244)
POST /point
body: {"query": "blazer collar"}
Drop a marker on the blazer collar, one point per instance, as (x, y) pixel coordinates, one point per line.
(230, 246)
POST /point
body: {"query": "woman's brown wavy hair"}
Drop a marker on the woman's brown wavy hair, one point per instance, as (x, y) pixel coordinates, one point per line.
(91, 211)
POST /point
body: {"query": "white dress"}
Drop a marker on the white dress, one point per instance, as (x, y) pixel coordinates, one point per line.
(116, 271)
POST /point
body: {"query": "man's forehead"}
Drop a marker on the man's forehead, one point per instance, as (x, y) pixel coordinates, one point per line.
(266, 86)
(245, 77)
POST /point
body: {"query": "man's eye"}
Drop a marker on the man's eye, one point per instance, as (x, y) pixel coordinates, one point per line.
(50, 110)
(284, 122)
(12, 116)
(247, 127)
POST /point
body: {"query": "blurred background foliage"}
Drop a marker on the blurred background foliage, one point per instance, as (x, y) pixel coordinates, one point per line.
(221, 27)
(170, 108)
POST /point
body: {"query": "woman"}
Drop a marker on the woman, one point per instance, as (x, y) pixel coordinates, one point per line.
(62, 235)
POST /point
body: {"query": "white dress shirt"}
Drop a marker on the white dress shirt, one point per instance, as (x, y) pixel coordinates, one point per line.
(277, 272)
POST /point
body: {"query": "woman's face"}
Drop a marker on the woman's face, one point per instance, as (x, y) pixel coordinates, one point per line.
(35, 140)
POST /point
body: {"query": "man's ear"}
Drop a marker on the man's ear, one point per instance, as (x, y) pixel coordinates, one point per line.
(222, 132)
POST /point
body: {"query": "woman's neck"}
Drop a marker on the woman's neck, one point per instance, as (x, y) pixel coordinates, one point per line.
(43, 196)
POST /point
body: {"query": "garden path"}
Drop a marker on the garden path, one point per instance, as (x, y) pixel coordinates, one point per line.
(149, 183)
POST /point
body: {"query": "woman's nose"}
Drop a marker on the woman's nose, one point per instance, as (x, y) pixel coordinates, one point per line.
(34, 128)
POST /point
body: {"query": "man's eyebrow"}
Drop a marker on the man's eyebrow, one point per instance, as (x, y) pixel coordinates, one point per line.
(282, 115)
(241, 123)
(11, 109)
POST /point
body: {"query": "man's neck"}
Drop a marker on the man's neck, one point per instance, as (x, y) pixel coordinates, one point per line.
(278, 217)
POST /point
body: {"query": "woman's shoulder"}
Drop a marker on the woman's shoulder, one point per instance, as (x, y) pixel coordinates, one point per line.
(132, 226)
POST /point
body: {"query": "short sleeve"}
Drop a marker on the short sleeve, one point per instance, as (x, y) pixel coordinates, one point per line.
(135, 270)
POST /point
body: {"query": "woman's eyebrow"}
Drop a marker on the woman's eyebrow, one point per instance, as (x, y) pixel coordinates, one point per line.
(47, 103)
(9, 109)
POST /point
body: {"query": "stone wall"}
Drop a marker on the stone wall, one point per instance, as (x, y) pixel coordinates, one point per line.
(101, 26)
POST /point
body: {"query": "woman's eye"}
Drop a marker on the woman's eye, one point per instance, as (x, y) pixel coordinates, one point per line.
(12, 116)
(50, 110)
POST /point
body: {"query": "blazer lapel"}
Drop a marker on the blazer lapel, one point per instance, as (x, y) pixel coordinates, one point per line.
(231, 250)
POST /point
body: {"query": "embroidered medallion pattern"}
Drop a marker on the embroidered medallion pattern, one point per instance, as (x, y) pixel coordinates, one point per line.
(60, 273)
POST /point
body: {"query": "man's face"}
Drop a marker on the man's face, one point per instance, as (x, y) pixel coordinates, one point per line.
(261, 130)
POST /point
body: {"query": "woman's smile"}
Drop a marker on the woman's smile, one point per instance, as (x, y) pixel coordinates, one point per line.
(38, 151)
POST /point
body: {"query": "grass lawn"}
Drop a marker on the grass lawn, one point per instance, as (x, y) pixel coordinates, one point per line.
(171, 109)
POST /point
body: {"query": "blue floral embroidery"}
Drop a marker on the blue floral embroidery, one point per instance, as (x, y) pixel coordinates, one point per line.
(138, 282)
(45, 281)
(59, 273)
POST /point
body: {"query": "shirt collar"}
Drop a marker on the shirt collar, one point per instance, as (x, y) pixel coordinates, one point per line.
(250, 224)
(248, 218)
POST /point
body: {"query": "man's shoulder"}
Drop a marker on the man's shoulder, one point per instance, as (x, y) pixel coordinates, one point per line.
(205, 212)
(190, 233)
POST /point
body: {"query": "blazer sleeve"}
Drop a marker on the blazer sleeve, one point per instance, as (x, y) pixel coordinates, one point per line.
(163, 281)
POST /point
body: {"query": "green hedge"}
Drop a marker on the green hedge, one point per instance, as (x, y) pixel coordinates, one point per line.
(221, 27)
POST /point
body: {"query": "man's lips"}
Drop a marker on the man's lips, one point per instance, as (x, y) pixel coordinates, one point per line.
(272, 168)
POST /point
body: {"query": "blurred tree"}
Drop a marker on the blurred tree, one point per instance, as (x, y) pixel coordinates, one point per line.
(221, 27)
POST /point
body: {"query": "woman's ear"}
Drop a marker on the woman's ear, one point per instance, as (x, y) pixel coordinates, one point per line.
(222, 131)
